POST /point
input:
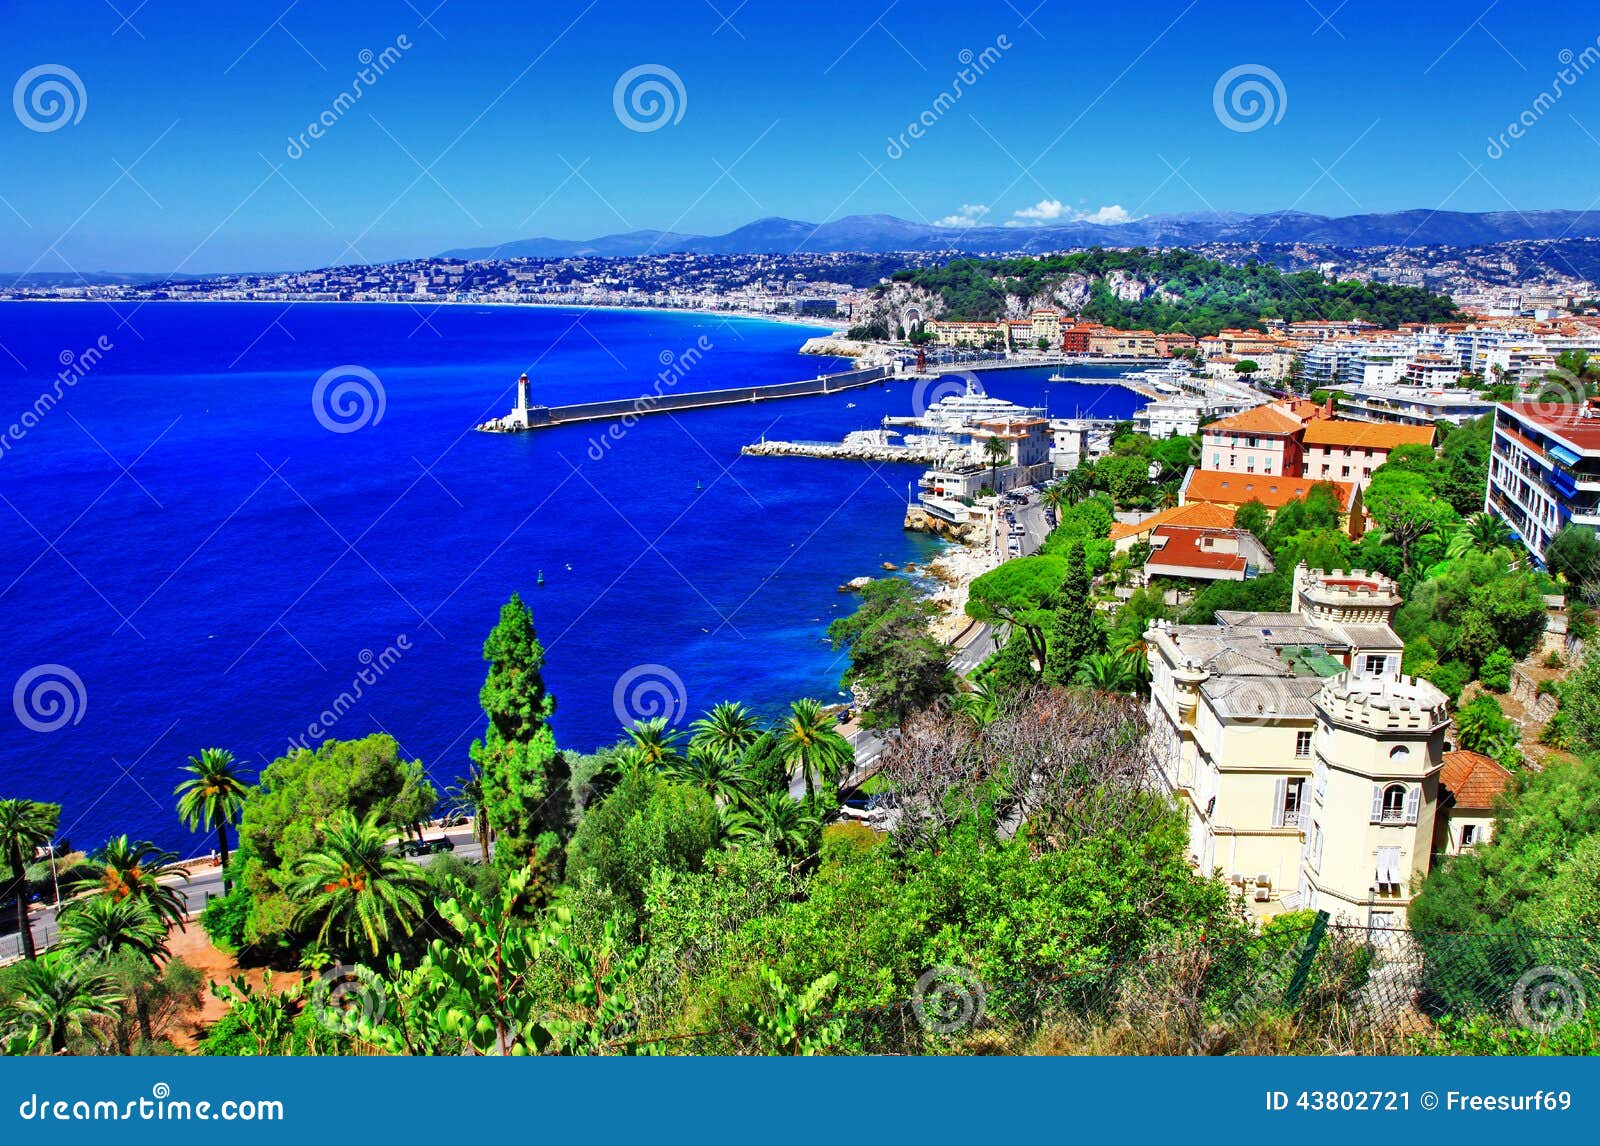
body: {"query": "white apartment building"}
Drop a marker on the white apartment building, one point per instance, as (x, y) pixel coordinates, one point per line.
(1307, 765)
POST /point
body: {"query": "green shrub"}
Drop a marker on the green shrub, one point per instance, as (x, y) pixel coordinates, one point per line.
(1496, 671)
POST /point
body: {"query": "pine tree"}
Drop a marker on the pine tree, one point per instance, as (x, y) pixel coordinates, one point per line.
(1075, 632)
(526, 794)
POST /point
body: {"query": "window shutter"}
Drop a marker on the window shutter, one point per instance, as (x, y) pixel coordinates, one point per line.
(1377, 803)
(1280, 792)
(1413, 803)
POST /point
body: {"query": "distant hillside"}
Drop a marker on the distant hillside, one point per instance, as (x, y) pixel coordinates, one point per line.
(880, 233)
(1156, 290)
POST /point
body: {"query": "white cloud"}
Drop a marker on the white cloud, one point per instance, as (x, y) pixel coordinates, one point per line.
(1054, 211)
(1043, 210)
(1112, 213)
(969, 214)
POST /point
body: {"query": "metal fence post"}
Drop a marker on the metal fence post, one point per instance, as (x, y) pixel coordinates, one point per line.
(1308, 954)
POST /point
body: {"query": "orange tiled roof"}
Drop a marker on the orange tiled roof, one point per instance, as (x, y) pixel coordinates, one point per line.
(1261, 420)
(1200, 514)
(1224, 488)
(1473, 778)
(1369, 435)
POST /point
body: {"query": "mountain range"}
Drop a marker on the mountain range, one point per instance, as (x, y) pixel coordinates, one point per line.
(884, 233)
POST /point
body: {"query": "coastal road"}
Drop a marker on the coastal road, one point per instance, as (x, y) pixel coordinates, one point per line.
(204, 884)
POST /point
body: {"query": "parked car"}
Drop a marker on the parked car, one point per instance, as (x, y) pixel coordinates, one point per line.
(427, 847)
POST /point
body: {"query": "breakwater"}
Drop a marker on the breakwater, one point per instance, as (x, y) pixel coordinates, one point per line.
(934, 453)
(540, 417)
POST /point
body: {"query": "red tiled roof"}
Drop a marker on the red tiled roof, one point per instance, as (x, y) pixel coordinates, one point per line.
(1371, 435)
(1473, 778)
(1261, 420)
(1199, 514)
(1222, 488)
(1185, 547)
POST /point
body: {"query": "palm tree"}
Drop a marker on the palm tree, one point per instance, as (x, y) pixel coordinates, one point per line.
(774, 820)
(355, 885)
(25, 827)
(136, 871)
(466, 799)
(811, 745)
(1109, 672)
(980, 706)
(727, 730)
(1483, 532)
(215, 796)
(102, 927)
(996, 450)
(58, 998)
(656, 742)
(718, 775)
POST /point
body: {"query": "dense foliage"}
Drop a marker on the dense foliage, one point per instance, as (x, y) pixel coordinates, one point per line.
(1183, 291)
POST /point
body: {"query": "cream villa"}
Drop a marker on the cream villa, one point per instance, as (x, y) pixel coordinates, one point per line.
(1308, 766)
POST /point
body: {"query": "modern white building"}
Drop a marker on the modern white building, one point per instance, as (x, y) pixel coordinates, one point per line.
(1544, 470)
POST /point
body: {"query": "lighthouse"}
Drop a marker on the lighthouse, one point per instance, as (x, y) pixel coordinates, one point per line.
(519, 412)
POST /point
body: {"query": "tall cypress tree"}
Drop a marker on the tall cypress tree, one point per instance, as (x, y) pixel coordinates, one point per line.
(526, 794)
(1075, 632)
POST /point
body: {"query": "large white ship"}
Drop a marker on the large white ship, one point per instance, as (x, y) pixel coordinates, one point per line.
(956, 413)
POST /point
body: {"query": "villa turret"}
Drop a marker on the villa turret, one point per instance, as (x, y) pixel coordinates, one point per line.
(1307, 765)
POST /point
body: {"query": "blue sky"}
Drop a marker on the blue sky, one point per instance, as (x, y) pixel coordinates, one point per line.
(499, 120)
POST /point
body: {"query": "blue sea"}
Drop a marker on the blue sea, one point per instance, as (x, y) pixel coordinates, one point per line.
(204, 547)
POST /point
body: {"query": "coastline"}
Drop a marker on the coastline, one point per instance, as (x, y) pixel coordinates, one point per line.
(821, 325)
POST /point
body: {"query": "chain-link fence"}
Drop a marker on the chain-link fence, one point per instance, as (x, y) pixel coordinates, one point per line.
(1317, 989)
